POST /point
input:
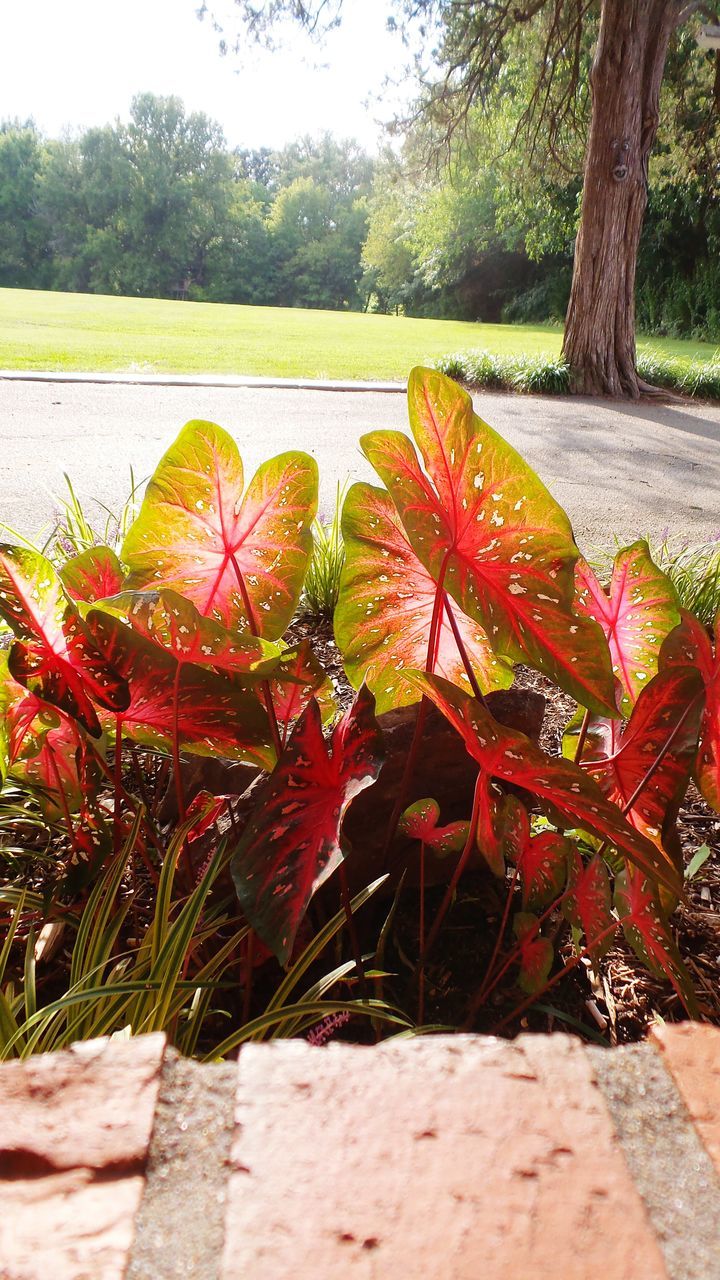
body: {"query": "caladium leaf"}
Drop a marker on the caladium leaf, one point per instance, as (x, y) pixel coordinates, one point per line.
(647, 932)
(488, 531)
(690, 645)
(240, 560)
(53, 655)
(536, 953)
(202, 812)
(637, 612)
(543, 867)
(420, 822)
(565, 788)
(213, 715)
(292, 841)
(92, 575)
(588, 905)
(385, 609)
(503, 826)
(298, 677)
(667, 711)
(173, 623)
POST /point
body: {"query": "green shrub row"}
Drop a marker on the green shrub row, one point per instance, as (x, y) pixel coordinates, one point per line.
(550, 375)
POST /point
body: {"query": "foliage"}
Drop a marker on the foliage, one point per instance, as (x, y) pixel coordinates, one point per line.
(548, 375)
(125, 668)
(322, 580)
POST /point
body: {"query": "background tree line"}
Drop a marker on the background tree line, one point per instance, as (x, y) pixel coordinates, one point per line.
(160, 206)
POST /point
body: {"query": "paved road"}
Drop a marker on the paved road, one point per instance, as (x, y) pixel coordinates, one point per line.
(617, 469)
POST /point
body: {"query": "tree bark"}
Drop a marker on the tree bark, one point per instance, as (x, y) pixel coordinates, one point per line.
(625, 80)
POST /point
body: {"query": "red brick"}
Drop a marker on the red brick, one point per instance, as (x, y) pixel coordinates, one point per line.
(74, 1133)
(692, 1054)
(438, 1159)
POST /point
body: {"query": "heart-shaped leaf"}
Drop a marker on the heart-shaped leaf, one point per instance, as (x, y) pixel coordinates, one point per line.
(212, 714)
(420, 822)
(536, 953)
(565, 788)
(690, 645)
(53, 655)
(489, 533)
(503, 826)
(299, 676)
(588, 905)
(240, 560)
(637, 612)
(619, 758)
(292, 841)
(543, 868)
(647, 932)
(92, 575)
(385, 609)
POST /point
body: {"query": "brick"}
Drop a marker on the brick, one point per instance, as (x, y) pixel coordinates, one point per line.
(453, 1158)
(74, 1132)
(692, 1055)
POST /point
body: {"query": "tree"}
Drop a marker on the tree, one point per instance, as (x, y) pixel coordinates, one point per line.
(471, 41)
(22, 238)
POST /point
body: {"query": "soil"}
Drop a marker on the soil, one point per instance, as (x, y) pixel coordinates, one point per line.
(613, 1006)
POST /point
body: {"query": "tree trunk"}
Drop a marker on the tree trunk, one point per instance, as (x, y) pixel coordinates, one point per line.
(625, 81)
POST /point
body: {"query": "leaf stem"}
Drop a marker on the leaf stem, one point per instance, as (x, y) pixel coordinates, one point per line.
(464, 656)
(461, 864)
(357, 953)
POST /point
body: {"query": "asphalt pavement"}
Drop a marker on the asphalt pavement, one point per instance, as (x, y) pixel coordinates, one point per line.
(620, 470)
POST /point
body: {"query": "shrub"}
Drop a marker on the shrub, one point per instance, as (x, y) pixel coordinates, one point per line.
(127, 667)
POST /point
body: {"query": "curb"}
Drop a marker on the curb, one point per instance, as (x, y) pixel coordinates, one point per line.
(439, 1158)
(199, 380)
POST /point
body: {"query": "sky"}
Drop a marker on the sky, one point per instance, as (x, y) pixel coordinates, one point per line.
(70, 64)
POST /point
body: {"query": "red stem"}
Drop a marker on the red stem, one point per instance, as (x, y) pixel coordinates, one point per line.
(433, 640)
(462, 862)
(64, 805)
(179, 789)
(421, 939)
(265, 685)
(464, 657)
(582, 736)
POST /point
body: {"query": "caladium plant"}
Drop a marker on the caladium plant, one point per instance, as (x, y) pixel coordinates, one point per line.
(53, 655)
(636, 613)
(420, 821)
(384, 615)
(491, 536)
(240, 558)
(557, 784)
(292, 841)
(661, 735)
(461, 567)
(690, 646)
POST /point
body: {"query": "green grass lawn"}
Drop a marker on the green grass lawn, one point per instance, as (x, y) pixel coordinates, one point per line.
(84, 332)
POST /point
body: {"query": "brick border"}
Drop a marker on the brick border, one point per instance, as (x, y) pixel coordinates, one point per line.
(439, 1158)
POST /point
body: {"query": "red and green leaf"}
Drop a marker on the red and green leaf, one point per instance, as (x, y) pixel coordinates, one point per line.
(636, 613)
(503, 826)
(619, 758)
(536, 953)
(240, 559)
(173, 623)
(292, 841)
(556, 783)
(298, 677)
(690, 645)
(92, 575)
(648, 933)
(211, 713)
(588, 905)
(543, 867)
(385, 609)
(491, 535)
(53, 655)
(420, 822)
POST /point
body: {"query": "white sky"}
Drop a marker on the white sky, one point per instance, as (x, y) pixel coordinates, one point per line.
(76, 63)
